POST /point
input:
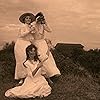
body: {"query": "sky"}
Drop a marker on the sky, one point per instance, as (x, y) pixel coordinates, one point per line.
(71, 21)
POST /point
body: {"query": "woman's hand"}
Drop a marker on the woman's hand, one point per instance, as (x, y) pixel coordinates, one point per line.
(31, 29)
(41, 19)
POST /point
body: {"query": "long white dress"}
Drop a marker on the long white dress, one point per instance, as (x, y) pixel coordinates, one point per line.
(33, 86)
(23, 41)
(49, 65)
(21, 44)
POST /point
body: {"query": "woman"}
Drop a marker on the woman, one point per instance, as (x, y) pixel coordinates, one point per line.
(43, 50)
(24, 40)
(35, 85)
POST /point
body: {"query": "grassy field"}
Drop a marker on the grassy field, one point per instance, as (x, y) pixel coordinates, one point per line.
(75, 83)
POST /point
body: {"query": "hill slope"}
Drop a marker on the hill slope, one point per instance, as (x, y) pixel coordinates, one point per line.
(75, 83)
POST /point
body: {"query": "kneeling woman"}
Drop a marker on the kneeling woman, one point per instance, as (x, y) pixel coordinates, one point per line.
(35, 85)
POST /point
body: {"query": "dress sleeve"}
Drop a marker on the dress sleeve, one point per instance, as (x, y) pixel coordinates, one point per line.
(29, 65)
(46, 27)
(23, 31)
(31, 68)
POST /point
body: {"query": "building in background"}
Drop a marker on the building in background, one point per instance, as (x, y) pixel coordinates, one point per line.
(67, 49)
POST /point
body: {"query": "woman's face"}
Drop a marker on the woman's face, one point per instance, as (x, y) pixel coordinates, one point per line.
(27, 19)
(32, 53)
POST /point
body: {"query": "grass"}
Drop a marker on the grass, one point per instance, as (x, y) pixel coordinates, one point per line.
(75, 83)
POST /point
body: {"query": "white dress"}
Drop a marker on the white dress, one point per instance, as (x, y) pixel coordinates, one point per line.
(33, 86)
(50, 67)
(21, 44)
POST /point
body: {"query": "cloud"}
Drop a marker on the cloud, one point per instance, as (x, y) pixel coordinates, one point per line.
(97, 43)
(2, 43)
(10, 27)
(70, 20)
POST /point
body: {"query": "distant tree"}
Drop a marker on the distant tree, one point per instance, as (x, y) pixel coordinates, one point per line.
(7, 53)
(7, 61)
(9, 46)
(6, 46)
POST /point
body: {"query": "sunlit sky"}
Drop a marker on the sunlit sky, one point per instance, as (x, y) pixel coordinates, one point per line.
(71, 21)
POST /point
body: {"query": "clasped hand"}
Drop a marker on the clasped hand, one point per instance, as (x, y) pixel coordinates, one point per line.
(31, 28)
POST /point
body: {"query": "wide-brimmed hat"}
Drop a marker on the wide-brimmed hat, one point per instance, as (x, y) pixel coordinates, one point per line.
(22, 17)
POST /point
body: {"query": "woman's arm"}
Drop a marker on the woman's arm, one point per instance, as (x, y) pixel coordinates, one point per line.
(43, 58)
(46, 27)
(37, 68)
(31, 68)
(24, 31)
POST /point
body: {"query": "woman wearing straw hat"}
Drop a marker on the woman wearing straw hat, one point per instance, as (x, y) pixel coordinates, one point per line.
(24, 40)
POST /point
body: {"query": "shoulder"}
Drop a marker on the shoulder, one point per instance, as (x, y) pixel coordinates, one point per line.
(27, 63)
(22, 27)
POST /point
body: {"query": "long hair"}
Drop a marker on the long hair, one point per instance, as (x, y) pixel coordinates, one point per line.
(29, 48)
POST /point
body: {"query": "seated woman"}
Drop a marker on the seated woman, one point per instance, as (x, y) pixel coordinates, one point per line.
(35, 85)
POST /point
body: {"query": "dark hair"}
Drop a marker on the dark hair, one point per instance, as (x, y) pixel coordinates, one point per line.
(29, 48)
(39, 14)
(40, 17)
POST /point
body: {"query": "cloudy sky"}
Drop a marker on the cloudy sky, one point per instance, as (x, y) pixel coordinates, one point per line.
(72, 21)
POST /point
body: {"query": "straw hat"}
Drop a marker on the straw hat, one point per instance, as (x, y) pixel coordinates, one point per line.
(23, 16)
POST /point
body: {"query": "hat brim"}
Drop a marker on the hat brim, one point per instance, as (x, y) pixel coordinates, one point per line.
(22, 17)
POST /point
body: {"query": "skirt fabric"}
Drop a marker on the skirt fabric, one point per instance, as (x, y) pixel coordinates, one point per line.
(33, 86)
(49, 65)
(20, 56)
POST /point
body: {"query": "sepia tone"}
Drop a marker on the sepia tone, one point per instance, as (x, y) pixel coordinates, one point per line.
(75, 25)
(72, 21)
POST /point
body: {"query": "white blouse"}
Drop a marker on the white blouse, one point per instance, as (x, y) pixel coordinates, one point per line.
(37, 31)
(25, 32)
(31, 67)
